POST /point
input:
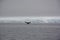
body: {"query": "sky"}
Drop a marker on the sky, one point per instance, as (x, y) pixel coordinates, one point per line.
(29, 7)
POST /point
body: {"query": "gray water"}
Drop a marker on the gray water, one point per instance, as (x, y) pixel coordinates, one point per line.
(29, 32)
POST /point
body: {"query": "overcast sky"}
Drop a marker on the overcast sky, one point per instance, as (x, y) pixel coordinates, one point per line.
(29, 7)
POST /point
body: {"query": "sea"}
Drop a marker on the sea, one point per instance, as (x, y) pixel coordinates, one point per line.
(29, 31)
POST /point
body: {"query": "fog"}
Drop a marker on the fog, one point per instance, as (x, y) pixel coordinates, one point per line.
(29, 7)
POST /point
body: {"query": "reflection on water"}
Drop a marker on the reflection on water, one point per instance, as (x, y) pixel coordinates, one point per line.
(29, 32)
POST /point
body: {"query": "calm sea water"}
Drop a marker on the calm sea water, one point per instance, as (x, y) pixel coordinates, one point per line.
(29, 32)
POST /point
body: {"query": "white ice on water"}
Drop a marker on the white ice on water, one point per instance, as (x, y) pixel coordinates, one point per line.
(30, 19)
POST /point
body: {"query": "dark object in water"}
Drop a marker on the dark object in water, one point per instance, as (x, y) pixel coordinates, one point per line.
(27, 22)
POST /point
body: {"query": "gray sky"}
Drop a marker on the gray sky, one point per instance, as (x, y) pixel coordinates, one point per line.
(29, 7)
